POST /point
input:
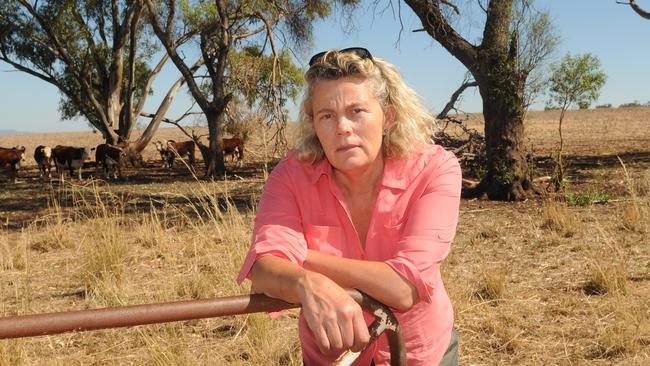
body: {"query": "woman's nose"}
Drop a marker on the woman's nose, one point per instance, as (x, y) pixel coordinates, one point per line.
(343, 126)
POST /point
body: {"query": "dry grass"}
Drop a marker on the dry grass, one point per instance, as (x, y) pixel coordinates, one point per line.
(557, 218)
(536, 282)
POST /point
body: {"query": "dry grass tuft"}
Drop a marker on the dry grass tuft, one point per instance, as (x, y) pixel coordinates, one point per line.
(607, 264)
(12, 255)
(501, 334)
(491, 283)
(606, 277)
(104, 253)
(642, 184)
(556, 217)
(633, 218)
(623, 330)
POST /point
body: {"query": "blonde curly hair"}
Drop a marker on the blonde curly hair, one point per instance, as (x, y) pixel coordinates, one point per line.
(413, 123)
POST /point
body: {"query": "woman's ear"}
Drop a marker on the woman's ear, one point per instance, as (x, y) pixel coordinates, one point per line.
(389, 116)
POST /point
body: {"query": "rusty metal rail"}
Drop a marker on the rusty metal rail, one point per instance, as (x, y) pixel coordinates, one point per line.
(126, 316)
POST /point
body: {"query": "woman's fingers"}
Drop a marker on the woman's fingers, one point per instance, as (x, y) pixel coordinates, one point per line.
(361, 335)
(334, 334)
(322, 340)
(346, 325)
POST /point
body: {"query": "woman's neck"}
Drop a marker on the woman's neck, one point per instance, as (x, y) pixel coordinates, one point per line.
(361, 181)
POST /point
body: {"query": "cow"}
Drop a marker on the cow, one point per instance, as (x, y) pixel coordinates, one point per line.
(43, 157)
(109, 156)
(234, 147)
(170, 149)
(162, 150)
(68, 157)
(13, 157)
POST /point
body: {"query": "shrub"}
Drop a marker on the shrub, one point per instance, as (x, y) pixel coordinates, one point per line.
(631, 105)
(588, 197)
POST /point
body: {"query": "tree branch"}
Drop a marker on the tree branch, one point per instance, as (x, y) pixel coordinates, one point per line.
(633, 4)
(454, 98)
(170, 48)
(436, 26)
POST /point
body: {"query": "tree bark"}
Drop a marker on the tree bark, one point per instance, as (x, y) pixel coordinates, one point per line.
(214, 164)
(507, 169)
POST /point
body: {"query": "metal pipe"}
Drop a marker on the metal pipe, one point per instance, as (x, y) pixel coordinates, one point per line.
(126, 316)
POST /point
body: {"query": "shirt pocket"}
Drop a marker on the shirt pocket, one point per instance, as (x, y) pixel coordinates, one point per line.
(390, 237)
(324, 239)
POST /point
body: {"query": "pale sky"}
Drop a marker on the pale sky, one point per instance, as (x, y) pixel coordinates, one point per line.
(612, 32)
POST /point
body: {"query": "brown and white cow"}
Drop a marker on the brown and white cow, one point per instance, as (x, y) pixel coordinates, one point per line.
(109, 156)
(234, 147)
(43, 157)
(169, 149)
(68, 157)
(161, 146)
(13, 157)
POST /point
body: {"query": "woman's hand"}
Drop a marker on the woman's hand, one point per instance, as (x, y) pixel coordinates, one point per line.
(334, 318)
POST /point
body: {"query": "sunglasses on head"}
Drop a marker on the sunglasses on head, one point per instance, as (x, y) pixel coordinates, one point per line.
(359, 51)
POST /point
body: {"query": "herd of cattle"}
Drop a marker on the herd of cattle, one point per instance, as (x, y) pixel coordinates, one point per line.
(109, 157)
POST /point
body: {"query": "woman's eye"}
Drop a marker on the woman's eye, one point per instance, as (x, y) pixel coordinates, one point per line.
(325, 116)
(357, 110)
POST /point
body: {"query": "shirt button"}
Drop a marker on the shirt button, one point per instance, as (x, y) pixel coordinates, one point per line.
(441, 236)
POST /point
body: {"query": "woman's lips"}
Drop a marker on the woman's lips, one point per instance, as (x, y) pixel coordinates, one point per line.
(346, 148)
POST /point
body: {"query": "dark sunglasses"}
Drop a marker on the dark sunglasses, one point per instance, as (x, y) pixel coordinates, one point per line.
(359, 51)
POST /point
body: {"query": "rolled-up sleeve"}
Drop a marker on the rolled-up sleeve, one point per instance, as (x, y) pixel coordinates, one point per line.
(429, 229)
(278, 229)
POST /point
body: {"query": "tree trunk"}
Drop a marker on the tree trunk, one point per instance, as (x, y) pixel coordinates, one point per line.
(507, 169)
(214, 164)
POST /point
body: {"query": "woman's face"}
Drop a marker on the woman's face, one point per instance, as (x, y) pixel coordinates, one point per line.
(349, 120)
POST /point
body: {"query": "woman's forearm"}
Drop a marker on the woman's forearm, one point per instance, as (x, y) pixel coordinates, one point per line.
(277, 278)
(377, 279)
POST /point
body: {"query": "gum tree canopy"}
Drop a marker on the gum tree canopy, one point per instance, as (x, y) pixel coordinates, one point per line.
(97, 53)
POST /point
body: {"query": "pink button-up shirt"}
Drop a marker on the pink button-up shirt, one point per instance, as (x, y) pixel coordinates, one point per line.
(411, 229)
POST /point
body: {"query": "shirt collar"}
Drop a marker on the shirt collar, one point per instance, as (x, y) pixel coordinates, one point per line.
(320, 168)
(395, 173)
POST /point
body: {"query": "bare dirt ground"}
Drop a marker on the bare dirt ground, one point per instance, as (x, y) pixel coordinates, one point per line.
(559, 279)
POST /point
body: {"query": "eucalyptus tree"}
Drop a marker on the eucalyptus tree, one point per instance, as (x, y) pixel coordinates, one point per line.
(575, 80)
(514, 42)
(97, 53)
(235, 39)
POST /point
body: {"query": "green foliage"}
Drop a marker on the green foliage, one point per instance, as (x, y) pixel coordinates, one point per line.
(588, 197)
(584, 105)
(251, 75)
(86, 36)
(576, 79)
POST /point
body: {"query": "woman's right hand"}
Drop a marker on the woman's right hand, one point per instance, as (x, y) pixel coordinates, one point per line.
(335, 319)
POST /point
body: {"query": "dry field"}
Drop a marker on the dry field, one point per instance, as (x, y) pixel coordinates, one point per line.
(553, 280)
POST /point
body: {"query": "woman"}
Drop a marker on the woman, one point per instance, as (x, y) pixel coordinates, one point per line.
(364, 202)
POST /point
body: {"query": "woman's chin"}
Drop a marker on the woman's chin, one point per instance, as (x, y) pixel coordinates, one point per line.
(350, 164)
